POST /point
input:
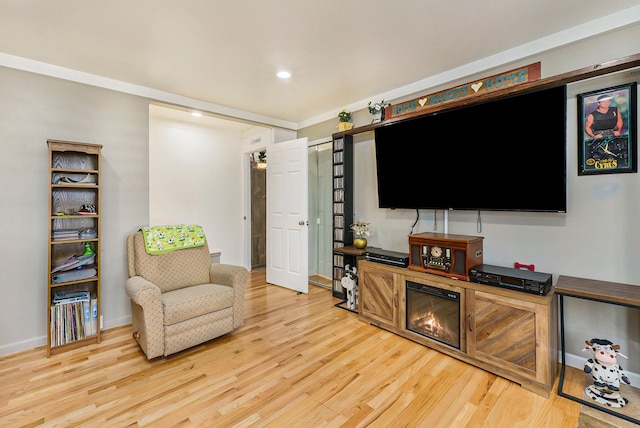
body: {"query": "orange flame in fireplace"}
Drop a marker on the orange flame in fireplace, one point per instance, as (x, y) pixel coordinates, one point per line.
(430, 326)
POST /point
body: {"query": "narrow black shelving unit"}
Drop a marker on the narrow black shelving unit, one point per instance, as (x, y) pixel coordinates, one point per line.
(342, 206)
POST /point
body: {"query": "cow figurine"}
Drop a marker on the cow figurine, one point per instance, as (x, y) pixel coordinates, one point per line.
(606, 373)
(350, 283)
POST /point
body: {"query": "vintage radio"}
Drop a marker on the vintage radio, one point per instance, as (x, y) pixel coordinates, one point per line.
(445, 254)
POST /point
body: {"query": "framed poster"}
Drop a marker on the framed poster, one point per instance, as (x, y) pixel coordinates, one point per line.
(607, 135)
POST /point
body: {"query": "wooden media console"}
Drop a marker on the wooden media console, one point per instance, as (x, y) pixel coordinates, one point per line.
(506, 332)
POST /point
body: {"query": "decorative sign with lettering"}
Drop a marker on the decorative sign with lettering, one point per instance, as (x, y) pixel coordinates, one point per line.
(518, 76)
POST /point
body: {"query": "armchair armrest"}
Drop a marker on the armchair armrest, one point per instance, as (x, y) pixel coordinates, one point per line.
(229, 275)
(236, 277)
(142, 292)
(147, 315)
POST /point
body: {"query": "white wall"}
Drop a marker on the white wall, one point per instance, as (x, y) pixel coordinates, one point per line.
(199, 173)
(33, 109)
(196, 176)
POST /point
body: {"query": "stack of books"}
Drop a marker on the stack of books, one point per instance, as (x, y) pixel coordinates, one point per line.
(65, 235)
(75, 268)
(70, 234)
(74, 316)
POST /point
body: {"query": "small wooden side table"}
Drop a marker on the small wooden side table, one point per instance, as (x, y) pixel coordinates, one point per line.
(599, 291)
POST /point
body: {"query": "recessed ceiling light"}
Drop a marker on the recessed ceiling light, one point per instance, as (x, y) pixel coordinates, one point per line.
(196, 113)
(283, 74)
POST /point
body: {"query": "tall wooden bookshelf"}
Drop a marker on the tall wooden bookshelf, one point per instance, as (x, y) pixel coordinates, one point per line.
(73, 290)
(342, 206)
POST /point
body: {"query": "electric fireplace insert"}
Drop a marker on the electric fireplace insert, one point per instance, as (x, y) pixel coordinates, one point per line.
(434, 312)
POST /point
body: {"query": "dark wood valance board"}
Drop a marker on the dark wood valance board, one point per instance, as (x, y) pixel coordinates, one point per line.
(560, 79)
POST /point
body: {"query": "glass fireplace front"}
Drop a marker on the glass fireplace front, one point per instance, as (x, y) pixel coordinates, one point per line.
(434, 312)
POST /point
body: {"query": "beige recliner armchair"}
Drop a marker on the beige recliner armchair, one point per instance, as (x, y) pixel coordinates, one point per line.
(180, 299)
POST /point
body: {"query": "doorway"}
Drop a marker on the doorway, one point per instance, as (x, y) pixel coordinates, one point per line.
(320, 212)
(258, 179)
(320, 215)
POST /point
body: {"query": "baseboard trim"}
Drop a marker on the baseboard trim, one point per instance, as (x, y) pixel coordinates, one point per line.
(36, 342)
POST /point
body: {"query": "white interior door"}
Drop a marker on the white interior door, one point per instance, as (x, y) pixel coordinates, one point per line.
(287, 215)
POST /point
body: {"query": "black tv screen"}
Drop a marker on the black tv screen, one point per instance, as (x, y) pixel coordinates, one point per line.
(507, 154)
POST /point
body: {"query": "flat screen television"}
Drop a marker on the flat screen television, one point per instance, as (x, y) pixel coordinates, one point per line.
(506, 154)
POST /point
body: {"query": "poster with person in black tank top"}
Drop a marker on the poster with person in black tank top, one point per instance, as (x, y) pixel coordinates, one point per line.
(607, 134)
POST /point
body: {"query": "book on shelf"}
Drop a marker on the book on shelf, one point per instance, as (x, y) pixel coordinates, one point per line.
(65, 235)
(86, 312)
(68, 294)
(74, 321)
(52, 325)
(67, 323)
(94, 315)
(71, 234)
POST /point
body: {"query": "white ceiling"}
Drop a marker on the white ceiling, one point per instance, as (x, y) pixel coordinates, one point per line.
(222, 56)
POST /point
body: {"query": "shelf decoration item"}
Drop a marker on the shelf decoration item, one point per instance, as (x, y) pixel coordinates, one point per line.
(350, 283)
(607, 373)
(87, 249)
(361, 229)
(377, 110)
(345, 121)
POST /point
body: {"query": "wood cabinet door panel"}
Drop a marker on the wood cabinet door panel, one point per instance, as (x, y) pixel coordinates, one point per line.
(378, 298)
(504, 332)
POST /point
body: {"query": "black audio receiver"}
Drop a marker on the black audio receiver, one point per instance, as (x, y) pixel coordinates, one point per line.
(516, 279)
(387, 257)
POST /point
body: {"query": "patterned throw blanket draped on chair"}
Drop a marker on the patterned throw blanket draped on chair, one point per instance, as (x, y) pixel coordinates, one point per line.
(167, 238)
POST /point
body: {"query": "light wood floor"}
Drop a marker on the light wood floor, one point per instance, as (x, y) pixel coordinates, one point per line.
(323, 281)
(297, 362)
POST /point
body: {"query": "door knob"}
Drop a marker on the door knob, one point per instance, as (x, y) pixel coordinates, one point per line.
(301, 222)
